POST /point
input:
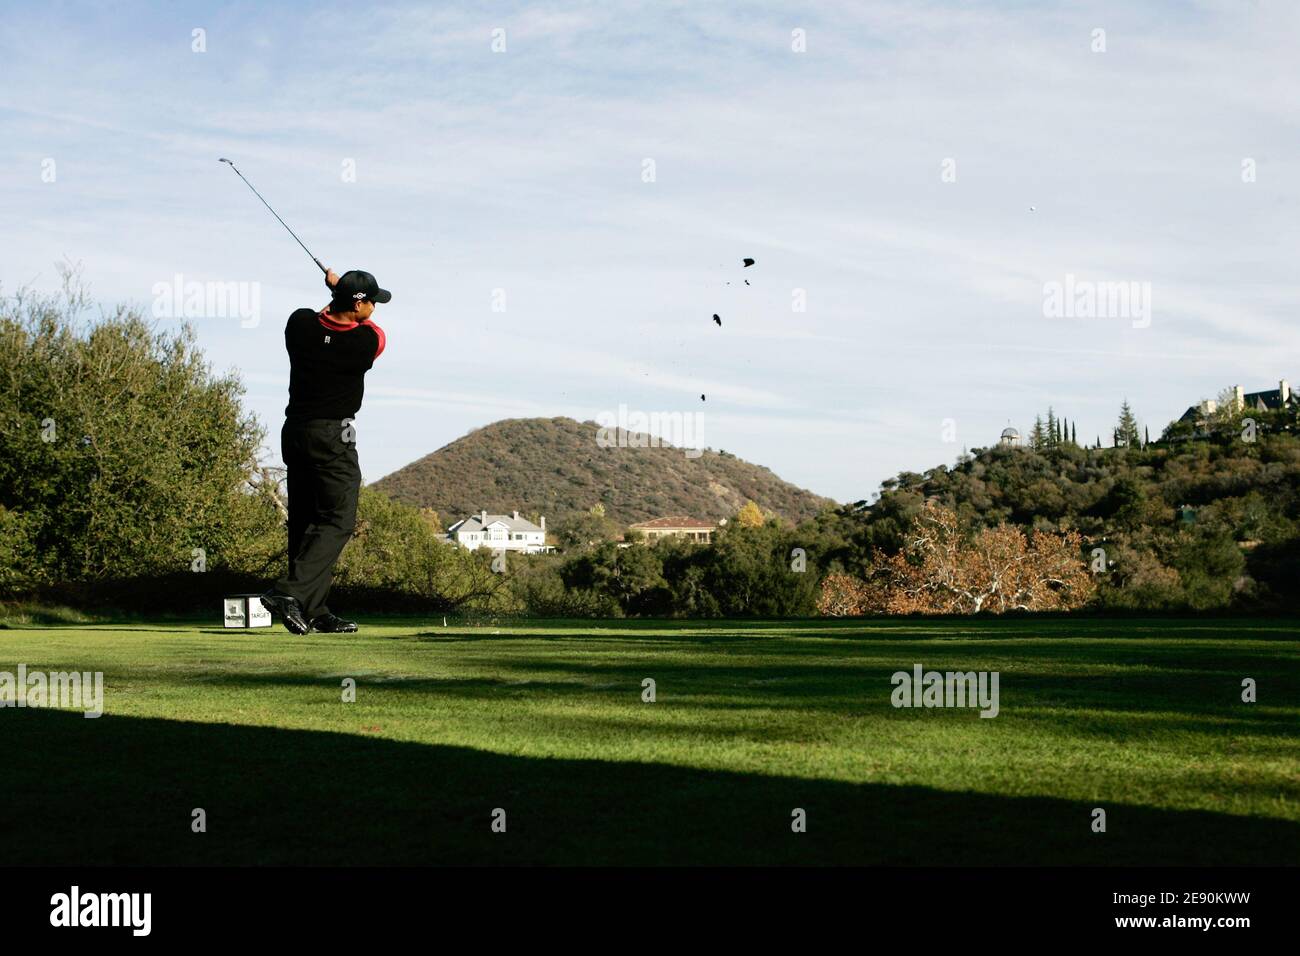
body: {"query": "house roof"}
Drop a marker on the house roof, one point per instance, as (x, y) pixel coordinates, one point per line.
(509, 522)
(674, 523)
(1269, 399)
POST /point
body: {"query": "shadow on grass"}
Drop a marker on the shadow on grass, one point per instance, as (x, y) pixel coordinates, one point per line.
(1105, 686)
(1173, 637)
(914, 627)
(1205, 683)
(489, 636)
(120, 790)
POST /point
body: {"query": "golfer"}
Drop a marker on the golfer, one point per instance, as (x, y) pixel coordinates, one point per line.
(330, 352)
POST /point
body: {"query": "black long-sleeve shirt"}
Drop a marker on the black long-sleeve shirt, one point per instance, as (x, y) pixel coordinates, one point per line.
(328, 364)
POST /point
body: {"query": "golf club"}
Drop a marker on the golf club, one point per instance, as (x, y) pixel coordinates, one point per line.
(274, 213)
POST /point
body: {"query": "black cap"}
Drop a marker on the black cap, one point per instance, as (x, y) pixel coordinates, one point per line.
(357, 285)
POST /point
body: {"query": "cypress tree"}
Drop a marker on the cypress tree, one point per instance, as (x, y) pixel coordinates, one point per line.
(1126, 431)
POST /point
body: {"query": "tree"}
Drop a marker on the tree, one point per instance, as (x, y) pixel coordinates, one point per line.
(1038, 437)
(749, 571)
(1125, 503)
(1126, 430)
(1226, 406)
(1209, 565)
(631, 576)
(750, 516)
(122, 455)
(584, 530)
(396, 550)
(948, 571)
(18, 567)
(1139, 580)
(689, 573)
(843, 595)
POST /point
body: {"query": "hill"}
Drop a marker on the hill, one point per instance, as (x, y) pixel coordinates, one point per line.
(1209, 520)
(554, 467)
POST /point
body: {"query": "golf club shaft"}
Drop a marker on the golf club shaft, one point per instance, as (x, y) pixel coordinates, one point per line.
(276, 215)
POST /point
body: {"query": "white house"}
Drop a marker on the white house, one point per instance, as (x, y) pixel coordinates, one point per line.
(499, 533)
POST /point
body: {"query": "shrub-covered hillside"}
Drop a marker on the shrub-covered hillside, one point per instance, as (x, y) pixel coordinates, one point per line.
(555, 467)
(1204, 521)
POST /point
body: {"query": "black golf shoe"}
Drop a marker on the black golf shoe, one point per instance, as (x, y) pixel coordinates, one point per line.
(330, 624)
(289, 610)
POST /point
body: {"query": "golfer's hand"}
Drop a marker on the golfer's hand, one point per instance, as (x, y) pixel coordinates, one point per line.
(331, 278)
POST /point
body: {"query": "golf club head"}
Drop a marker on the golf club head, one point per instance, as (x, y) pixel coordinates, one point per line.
(320, 265)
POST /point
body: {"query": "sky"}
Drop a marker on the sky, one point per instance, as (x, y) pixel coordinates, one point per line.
(560, 197)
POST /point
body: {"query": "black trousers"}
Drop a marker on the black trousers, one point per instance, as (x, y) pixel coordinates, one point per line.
(324, 479)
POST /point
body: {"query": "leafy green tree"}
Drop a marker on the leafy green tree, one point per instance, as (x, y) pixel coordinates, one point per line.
(632, 576)
(1125, 502)
(583, 531)
(1138, 579)
(539, 590)
(395, 554)
(687, 571)
(1210, 565)
(751, 572)
(124, 455)
(19, 570)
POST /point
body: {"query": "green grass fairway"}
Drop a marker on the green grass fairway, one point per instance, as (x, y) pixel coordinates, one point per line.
(1143, 718)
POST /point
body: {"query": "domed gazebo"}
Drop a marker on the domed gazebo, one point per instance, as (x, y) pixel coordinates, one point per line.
(1009, 436)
